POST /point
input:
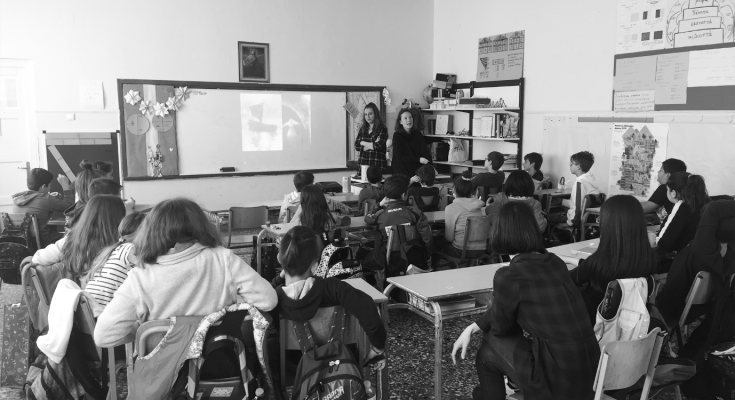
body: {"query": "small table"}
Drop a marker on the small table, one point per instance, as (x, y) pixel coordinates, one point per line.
(441, 285)
(382, 301)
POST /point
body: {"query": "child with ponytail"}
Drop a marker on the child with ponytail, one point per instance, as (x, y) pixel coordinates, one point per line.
(110, 268)
(81, 187)
(688, 193)
(455, 219)
(302, 294)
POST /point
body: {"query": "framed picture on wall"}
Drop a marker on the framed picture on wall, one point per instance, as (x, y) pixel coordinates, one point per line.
(254, 62)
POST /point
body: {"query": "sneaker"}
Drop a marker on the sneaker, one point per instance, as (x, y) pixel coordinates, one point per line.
(413, 270)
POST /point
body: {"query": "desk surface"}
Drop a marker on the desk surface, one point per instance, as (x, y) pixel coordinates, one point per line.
(365, 287)
(566, 250)
(554, 192)
(356, 223)
(222, 206)
(445, 284)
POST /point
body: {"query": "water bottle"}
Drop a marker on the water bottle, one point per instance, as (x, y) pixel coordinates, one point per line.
(369, 391)
(562, 186)
(259, 393)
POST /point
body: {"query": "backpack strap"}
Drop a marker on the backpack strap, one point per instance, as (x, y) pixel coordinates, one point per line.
(59, 382)
(304, 336)
(338, 324)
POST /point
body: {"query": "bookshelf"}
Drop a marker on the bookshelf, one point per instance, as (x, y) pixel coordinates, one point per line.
(482, 144)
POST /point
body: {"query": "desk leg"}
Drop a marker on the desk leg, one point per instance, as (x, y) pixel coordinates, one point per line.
(437, 350)
(382, 375)
(258, 254)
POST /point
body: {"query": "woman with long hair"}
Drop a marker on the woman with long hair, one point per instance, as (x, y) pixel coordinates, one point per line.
(182, 271)
(688, 193)
(372, 139)
(409, 148)
(95, 231)
(81, 187)
(533, 333)
(623, 252)
(314, 211)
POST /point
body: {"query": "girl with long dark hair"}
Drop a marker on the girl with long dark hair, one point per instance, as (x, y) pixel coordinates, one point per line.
(688, 193)
(372, 138)
(533, 333)
(314, 211)
(623, 252)
(409, 148)
(81, 187)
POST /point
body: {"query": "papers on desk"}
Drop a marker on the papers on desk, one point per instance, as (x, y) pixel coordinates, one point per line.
(584, 252)
(454, 304)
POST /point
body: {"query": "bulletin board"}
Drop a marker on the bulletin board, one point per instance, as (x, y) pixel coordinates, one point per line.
(674, 55)
(184, 129)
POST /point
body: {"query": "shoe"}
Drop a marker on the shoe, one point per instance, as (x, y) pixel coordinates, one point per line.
(414, 270)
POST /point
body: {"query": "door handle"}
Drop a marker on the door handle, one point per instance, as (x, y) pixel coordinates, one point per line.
(22, 167)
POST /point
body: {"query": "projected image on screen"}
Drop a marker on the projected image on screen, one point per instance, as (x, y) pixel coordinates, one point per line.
(274, 122)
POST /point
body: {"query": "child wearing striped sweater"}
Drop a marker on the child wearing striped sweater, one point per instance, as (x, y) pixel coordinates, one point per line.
(112, 265)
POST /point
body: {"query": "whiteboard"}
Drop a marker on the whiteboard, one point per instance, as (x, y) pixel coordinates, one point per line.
(705, 147)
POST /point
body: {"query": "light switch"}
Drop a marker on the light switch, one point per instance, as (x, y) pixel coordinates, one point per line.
(70, 116)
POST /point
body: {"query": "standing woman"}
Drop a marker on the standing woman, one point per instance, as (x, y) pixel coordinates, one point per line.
(371, 139)
(409, 147)
(534, 332)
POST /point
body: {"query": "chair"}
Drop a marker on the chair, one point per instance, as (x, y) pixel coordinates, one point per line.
(84, 320)
(321, 328)
(369, 205)
(426, 203)
(477, 229)
(623, 363)
(701, 292)
(245, 218)
(580, 205)
(290, 212)
(485, 192)
(21, 225)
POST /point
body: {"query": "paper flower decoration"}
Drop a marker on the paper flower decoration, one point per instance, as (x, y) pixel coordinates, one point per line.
(173, 104)
(182, 93)
(132, 97)
(145, 107)
(160, 109)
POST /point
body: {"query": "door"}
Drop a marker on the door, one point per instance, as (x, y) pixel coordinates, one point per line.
(18, 151)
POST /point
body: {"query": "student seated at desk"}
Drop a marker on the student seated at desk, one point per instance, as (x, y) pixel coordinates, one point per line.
(532, 164)
(659, 199)
(314, 212)
(688, 194)
(300, 180)
(455, 219)
(494, 177)
(37, 200)
(302, 295)
(623, 251)
(375, 189)
(518, 187)
(81, 186)
(422, 185)
(110, 268)
(97, 229)
(579, 165)
(183, 271)
(534, 332)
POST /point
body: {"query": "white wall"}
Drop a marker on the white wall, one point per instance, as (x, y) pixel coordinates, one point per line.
(328, 42)
(568, 58)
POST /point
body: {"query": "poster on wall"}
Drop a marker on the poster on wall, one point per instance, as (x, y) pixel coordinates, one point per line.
(636, 154)
(645, 25)
(500, 57)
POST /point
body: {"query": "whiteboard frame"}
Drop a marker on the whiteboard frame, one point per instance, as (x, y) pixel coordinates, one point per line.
(236, 86)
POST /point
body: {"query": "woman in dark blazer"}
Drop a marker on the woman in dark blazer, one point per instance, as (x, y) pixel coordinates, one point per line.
(536, 331)
(409, 147)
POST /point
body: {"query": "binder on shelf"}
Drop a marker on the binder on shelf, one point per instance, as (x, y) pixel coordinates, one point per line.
(443, 124)
(488, 126)
(476, 126)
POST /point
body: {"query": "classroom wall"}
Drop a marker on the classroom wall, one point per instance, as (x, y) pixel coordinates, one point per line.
(568, 59)
(327, 42)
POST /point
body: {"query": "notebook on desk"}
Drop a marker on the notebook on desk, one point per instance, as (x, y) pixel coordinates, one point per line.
(584, 252)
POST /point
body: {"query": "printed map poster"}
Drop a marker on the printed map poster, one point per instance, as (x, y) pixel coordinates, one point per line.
(359, 100)
(636, 155)
(500, 57)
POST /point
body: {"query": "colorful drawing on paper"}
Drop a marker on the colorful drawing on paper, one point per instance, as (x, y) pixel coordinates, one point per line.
(636, 155)
(500, 57)
(700, 22)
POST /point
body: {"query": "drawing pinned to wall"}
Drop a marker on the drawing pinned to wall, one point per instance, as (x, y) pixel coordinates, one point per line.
(641, 25)
(636, 155)
(500, 57)
(699, 22)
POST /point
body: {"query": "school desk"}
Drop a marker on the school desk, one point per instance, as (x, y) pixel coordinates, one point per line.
(277, 231)
(381, 301)
(566, 250)
(442, 285)
(552, 193)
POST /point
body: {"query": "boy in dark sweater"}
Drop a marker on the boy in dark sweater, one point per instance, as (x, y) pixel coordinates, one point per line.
(301, 295)
(422, 189)
(37, 200)
(494, 178)
(375, 189)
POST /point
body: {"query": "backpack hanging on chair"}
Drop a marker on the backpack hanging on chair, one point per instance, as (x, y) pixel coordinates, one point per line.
(327, 371)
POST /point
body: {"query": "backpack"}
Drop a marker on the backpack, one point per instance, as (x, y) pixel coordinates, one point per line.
(11, 256)
(327, 371)
(21, 234)
(631, 319)
(338, 262)
(411, 250)
(269, 254)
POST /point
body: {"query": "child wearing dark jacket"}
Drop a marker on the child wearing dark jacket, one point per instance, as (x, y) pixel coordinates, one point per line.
(300, 295)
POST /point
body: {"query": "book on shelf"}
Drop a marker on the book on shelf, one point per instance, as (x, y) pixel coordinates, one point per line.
(474, 100)
(488, 127)
(443, 124)
(476, 126)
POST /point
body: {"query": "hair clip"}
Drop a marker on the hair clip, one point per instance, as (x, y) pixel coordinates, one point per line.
(466, 179)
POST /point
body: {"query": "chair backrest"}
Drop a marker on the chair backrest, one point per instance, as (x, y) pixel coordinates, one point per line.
(623, 363)
(369, 205)
(84, 321)
(290, 212)
(477, 229)
(484, 192)
(394, 242)
(701, 292)
(247, 217)
(149, 335)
